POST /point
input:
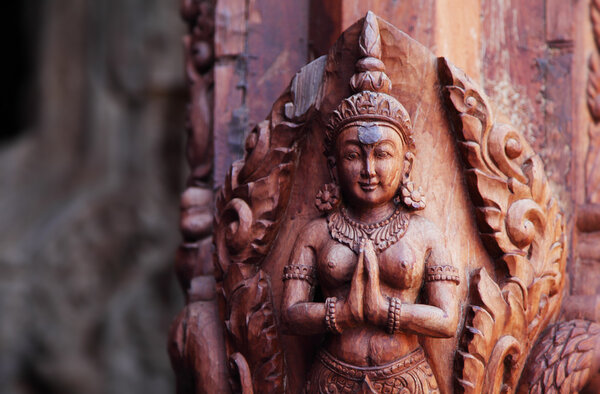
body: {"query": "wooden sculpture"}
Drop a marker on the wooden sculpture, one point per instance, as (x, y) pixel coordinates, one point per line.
(383, 233)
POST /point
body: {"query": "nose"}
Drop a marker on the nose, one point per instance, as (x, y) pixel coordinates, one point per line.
(368, 170)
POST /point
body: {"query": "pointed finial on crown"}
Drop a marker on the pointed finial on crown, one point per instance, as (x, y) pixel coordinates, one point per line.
(371, 101)
(370, 69)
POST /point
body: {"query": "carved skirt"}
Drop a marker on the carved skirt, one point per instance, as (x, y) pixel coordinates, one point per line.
(410, 374)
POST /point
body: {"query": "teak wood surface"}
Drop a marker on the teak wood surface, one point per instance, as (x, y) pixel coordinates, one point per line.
(486, 191)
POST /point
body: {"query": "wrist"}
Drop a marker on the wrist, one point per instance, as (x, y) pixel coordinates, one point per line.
(393, 315)
(345, 319)
(332, 315)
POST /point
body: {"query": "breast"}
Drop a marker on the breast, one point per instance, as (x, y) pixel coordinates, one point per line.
(401, 268)
(336, 265)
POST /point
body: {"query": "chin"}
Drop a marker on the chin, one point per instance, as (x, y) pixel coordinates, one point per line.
(369, 199)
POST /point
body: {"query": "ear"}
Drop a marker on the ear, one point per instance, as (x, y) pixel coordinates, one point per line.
(409, 157)
(331, 165)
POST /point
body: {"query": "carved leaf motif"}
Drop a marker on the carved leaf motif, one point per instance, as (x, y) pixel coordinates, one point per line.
(523, 230)
(249, 210)
(252, 327)
(561, 359)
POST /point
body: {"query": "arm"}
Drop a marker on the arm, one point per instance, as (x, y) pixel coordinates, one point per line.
(300, 315)
(439, 317)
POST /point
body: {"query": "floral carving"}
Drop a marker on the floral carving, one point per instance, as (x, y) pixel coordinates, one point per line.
(412, 197)
(249, 210)
(328, 197)
(523, 230)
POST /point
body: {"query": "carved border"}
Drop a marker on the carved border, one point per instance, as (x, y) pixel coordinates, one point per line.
(521, 227)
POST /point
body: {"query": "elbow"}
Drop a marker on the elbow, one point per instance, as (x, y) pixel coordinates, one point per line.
(446, 332)
(285, 326)
(448, 326)
(286, 321)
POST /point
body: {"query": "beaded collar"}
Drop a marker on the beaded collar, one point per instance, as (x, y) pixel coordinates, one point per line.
(383, 234)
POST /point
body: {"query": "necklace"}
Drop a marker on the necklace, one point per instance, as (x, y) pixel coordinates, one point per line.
(383, 234)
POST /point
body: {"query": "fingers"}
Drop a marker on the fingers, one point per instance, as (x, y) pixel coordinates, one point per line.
(370, 260)
(357, 279)
(357, 287)
(374, 303)
(361, 257)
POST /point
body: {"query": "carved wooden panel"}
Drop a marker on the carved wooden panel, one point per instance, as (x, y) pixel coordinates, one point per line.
(476, 181)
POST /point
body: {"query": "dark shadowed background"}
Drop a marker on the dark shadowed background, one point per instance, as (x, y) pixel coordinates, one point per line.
(91, 167)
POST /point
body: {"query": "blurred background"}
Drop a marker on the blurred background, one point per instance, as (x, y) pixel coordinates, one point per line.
(91, 168)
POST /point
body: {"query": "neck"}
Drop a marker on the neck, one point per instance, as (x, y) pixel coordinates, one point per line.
(372, 214)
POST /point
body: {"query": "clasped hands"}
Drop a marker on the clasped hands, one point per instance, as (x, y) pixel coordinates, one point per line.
(365, 302)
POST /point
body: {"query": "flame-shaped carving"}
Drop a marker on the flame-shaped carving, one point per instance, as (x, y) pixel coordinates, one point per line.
(249, 208)
(522, 228)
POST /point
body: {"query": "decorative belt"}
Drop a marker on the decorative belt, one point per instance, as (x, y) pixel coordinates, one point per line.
(356, 373)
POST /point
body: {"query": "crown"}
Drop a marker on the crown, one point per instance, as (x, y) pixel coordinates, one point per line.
(371, 101)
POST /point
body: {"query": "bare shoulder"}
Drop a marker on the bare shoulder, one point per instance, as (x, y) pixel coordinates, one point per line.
(314, 233)
(426, 229)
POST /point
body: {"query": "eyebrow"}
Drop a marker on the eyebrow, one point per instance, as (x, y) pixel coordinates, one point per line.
(387, 142)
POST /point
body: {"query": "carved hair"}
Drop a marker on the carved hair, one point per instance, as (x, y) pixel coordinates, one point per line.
(371, 101)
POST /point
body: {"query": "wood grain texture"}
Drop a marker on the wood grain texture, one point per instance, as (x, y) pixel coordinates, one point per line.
(513, 250)
(523, 230)
(563, 359)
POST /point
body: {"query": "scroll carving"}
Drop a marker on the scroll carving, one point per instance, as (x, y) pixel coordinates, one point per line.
(249, 210)
(523, 230)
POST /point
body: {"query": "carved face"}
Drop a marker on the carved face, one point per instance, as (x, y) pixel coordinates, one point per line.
(369, 162)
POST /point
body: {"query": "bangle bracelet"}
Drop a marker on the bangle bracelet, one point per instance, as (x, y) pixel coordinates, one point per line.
(330, 321)
(393, 322)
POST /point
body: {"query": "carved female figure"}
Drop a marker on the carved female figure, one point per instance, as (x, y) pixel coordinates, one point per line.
(382, 269)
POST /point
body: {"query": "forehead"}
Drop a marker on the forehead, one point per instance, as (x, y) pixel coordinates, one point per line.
(369, 134)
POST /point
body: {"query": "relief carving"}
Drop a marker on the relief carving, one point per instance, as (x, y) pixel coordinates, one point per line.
(522, 228)
(347, 256)
(564, 360)
(371, 252)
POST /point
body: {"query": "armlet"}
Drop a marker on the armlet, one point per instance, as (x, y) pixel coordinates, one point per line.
(300, 271)
(441, 272)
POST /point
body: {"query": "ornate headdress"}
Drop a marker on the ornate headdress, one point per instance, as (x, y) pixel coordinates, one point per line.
(369, 105)
(371, 102)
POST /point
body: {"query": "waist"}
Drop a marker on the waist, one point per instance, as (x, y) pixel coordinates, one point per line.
(384, 371)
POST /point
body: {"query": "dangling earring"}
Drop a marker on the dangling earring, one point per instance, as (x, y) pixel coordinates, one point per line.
(410, 196)
(328, 197)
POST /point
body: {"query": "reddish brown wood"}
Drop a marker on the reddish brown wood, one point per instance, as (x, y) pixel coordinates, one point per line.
(277, 46)
(196, 338)
(301, 291)
(585, 272)
(389, 253)
(564, 359)
(330, 17)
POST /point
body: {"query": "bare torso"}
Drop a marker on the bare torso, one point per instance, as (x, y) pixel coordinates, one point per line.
(402, 268)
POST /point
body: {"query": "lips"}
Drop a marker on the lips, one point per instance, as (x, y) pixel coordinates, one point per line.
(368, 186)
